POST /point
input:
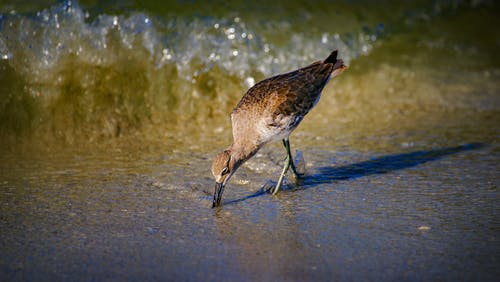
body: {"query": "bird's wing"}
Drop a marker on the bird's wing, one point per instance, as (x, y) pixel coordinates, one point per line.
(283, 100)
(302, 83)
(302, 89)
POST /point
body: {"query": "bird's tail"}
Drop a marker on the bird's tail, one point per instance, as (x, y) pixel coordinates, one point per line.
(338, 64)
(332, 59)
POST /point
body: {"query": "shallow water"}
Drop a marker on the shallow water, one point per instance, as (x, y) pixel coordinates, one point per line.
(423, 214)
(110, 115)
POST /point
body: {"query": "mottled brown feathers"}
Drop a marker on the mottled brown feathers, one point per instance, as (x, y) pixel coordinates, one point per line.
(293, 93)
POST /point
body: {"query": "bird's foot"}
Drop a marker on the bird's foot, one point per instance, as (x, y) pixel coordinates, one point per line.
(297, 175)
(278, 186)
(271, 188)
(298, 180)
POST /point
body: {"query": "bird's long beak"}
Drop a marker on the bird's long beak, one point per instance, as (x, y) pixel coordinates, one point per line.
(218, 190)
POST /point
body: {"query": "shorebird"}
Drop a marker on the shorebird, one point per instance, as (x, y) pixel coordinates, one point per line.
(269, 111)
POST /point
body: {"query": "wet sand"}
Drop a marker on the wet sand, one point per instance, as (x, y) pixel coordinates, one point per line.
(416, 215)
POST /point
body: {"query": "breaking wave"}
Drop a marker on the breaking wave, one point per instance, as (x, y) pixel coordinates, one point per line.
(72, 74)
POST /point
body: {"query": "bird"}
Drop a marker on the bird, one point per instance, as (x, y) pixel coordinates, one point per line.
(269, 111)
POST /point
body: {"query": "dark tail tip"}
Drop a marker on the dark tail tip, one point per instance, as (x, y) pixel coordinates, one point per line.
(332, 59)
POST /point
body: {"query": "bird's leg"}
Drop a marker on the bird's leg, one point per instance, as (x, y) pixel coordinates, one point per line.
(286, 143)
(282, 176)
(288, 163)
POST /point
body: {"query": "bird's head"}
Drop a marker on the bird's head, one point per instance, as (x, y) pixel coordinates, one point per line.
(223, 167)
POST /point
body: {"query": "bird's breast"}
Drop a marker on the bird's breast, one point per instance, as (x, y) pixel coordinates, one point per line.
(277, 128)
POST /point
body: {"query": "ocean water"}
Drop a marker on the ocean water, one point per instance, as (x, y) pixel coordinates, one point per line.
(110, 113)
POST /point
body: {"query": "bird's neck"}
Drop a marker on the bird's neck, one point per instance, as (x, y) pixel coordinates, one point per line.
(242, 152)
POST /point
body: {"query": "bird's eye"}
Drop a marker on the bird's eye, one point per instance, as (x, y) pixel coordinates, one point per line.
(224, 171)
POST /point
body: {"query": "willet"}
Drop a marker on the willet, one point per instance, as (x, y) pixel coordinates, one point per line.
(269, 111)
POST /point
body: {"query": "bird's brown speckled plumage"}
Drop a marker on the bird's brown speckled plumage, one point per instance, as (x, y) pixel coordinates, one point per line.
(271, 110)
(280, 103)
